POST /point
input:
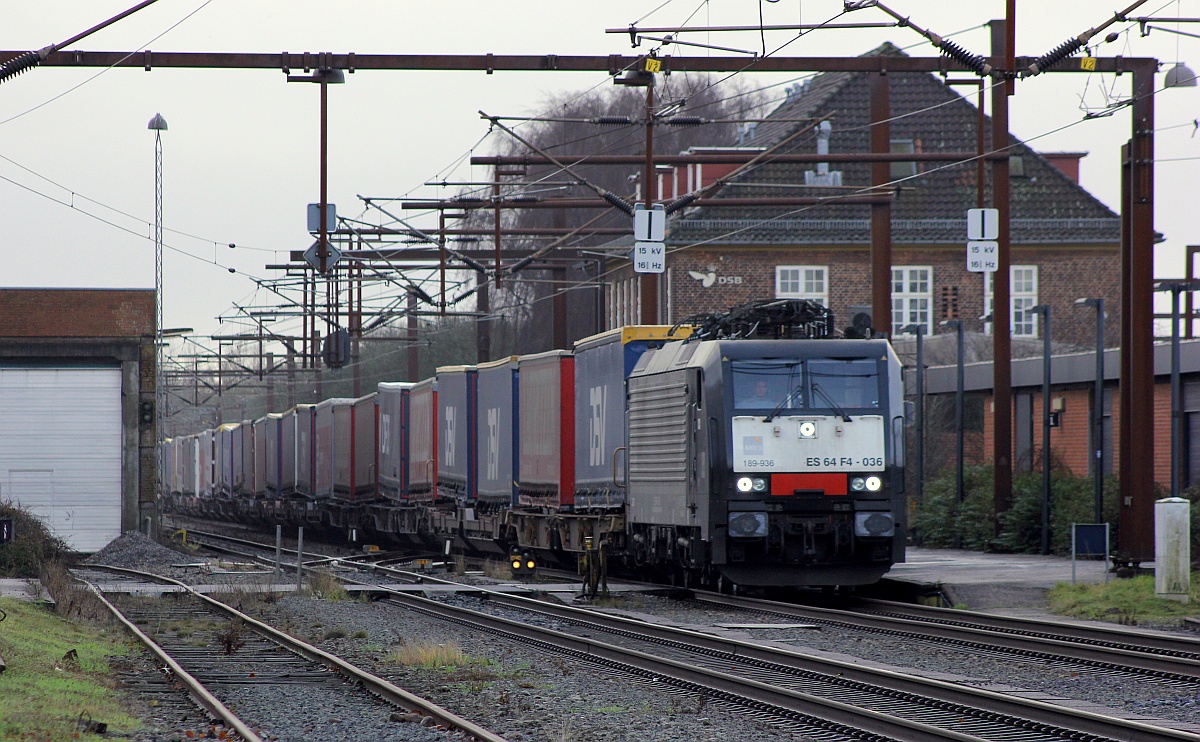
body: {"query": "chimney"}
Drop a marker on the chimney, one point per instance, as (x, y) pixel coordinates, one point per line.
(694, 176)
(822, 176)
(1067, 162)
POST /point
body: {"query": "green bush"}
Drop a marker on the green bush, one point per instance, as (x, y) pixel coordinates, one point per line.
(939, 518)
(31, 547)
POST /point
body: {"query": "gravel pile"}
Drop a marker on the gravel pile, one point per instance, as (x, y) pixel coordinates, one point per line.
(134, 550)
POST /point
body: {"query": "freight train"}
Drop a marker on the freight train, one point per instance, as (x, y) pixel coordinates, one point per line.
(748, 448)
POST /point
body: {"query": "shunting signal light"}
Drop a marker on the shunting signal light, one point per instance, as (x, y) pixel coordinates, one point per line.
(530, 562)
(517, 559)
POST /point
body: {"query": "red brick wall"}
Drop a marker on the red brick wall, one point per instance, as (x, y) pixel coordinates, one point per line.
(34, 313)
(1070, 443)
(1065, 274)
(1162, 434)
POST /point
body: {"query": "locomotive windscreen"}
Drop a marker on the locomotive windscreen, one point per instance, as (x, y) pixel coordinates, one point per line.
(851, 383)
(791, 384)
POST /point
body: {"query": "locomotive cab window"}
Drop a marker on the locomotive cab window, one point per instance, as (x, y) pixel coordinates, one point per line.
(851, 383)
(767, 385)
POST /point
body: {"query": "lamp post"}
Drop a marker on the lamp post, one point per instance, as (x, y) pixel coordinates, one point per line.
(919, 477)
(1044, 311)
(158, 125)
(1098, 406)
(1176, 288)
(959, 496)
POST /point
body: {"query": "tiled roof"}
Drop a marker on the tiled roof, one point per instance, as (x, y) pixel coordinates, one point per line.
(1047, 206)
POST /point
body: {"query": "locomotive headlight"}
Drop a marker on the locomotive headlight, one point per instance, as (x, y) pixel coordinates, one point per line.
(759, 484)
(857, 484)
(874, 484)
(808, 429)
(745, 484)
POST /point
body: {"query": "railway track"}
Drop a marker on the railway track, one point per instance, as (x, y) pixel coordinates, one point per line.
(225, 658)
(822, 698)
(1114, 649)
(1159, 656)
(796, 683)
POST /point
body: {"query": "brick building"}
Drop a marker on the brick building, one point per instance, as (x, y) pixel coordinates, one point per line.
(1072, 443)
(1064, 242)
(77, 387)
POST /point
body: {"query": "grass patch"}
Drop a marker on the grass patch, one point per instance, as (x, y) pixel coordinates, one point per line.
(327, 587)
(429, 656)
(1127, 601)
(497, 570)
(42, 701)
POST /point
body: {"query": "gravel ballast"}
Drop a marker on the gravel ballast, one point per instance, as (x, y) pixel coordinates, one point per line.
(524, 693)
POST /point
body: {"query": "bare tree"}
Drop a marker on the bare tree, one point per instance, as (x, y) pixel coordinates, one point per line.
(689, 111)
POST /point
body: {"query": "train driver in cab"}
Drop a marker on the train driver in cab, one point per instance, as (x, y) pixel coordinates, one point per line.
(758, 396)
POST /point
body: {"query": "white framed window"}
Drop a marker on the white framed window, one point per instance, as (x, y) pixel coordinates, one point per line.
(908, 169)
(912, 297)
(802, 282)
(1023, 296)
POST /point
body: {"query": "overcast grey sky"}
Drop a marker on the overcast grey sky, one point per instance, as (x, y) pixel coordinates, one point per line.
(240, 156)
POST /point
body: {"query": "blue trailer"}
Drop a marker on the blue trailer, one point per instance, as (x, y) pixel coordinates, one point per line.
(497, 434)
(602, 364)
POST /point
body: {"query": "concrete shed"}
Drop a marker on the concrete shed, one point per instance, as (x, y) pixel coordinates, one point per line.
(77, 394)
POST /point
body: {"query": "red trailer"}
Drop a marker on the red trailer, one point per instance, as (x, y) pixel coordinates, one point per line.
(547, 394)
(354, 449)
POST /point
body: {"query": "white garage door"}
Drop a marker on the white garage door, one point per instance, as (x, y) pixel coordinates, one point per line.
(60, 450)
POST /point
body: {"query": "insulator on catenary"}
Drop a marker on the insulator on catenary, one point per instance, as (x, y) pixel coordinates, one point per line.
(686, 121)
(681, 203)
(973, 62)
(472, 263)
(617, 202)
(613, 120)
(1061, 52)
(521, 263)
(19, 64)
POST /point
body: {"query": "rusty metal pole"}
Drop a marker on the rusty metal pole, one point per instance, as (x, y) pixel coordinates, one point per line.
(414, 365)
(442, 261)
(559, 276)
(648, 282)
(323, 245)
(496, 223)
(355, 322)
(1001, 308)
(1137, 330)
(980, 145)
(881, 213)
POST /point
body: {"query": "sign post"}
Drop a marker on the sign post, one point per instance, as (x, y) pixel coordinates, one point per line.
(983, 229)
(649, 233)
